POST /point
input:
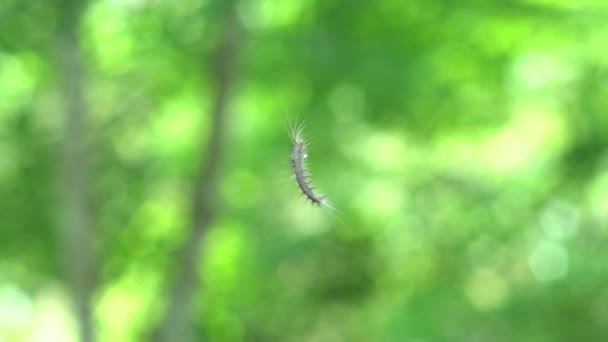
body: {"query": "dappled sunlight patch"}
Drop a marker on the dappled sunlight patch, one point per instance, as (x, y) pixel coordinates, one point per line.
(17, 80)
(178, 124)
(254, 108)
(505, 33)
(110, 37)
(133, 144)
(596, 43)
(379, 201)
(534, 137)
(486, 289)
(171, 133)
(16, 311)
(384, 152)
(224, 269)
(162, 216)
(267, 14)
(126, 307)
(53, 320)
(223, 259)
(538, 70)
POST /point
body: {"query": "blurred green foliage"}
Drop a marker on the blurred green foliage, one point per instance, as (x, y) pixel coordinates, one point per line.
(465, 146)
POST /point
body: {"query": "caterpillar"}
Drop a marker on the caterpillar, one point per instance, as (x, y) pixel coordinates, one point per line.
(300, 172)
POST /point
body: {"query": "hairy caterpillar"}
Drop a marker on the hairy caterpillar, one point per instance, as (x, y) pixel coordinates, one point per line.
(300, 172)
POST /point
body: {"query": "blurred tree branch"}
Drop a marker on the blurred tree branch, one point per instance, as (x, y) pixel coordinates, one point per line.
(177, 324)
(77, 231)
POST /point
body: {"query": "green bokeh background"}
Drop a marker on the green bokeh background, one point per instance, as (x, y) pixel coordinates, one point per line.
(465, 146)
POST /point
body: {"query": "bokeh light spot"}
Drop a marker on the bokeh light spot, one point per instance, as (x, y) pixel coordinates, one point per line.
(548, 261)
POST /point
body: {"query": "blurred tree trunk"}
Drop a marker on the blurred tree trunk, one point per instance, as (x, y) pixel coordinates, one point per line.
(178, 324)
(76, 234)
